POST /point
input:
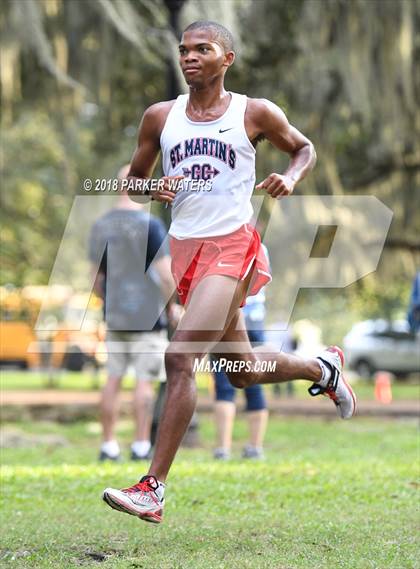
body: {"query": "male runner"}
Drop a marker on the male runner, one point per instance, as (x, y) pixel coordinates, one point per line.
(211, 134)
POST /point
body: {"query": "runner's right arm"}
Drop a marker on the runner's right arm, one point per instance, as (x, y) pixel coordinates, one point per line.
(146, 154)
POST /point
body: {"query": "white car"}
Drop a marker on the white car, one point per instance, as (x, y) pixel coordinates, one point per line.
(375, 345)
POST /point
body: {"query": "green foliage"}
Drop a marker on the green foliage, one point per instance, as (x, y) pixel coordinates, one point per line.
(77, 77)
(33, 212)
(336, 310)
(371, 299)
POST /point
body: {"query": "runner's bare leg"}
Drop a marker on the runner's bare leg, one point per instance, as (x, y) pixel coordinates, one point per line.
(191, 340)
(217, 298)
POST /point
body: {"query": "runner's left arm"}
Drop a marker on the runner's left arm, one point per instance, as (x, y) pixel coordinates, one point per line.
(269, 121)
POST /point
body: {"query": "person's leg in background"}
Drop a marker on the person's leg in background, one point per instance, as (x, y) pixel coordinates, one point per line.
(257, 417)
(224, 412)
(147, 357)
(143, 411)
(109, 404)
(290, 389)
(256, 406)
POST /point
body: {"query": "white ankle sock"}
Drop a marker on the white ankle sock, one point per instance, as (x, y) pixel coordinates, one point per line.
(326, 373)
(111, 448)
(141, 447)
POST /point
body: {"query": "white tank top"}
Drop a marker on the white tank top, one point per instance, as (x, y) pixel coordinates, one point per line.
(218, 162)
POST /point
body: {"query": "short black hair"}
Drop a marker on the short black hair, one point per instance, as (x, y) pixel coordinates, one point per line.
(221, 34)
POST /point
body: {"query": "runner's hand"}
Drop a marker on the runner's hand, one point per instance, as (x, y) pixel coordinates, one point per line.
(170, 188)
(277, 185)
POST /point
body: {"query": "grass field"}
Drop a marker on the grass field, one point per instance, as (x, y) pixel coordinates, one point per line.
(330, 495)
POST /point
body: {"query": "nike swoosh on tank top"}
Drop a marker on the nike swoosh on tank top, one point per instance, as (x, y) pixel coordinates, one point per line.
(218, 151)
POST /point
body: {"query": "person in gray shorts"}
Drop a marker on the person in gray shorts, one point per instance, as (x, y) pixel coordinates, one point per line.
(127, 272)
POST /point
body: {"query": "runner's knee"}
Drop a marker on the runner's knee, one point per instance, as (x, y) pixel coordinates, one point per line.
(240, 380)
(178, 365)
(241, 371)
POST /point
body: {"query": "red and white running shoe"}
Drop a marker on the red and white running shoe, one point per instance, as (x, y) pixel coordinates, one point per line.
(335, 386)
(144, 500)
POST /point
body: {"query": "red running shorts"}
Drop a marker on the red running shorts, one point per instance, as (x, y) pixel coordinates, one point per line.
(233, 255)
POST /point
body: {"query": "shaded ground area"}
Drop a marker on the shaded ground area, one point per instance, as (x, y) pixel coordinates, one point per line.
(67, 405)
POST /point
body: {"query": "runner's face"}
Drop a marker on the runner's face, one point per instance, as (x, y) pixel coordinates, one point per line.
(201, 58)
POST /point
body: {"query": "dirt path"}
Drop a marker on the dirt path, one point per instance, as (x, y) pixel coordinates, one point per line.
(88, 400)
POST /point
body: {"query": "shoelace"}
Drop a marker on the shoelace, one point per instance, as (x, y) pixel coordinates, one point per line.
(332, 395)
(139, 487)
(143, 487)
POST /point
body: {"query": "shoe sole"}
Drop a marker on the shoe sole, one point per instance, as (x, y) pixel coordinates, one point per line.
(340, 353)
(353, 396)
(152, 517)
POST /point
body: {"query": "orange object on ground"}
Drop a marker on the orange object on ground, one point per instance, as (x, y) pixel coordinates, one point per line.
(383, 389)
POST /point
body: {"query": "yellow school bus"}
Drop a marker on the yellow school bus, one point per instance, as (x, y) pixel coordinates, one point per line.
(16, 329)
(55, 347)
